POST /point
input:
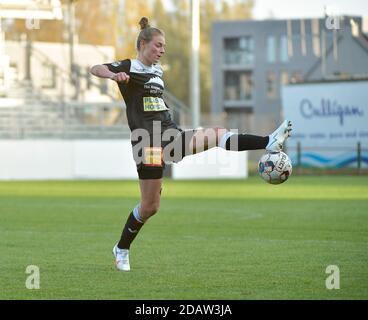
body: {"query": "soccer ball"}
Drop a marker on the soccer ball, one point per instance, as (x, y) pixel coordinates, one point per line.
(275, 167)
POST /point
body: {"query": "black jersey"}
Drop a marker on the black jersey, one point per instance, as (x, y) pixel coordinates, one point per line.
(143, 95)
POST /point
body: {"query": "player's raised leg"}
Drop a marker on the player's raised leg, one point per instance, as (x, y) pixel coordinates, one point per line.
(205, 139)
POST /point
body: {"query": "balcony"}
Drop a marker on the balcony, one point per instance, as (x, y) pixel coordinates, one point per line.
(238, 60)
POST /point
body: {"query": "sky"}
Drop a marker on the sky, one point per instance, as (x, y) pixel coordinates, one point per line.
(280, 9)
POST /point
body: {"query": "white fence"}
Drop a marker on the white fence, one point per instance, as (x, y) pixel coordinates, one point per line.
(103, 159)
(66, 159)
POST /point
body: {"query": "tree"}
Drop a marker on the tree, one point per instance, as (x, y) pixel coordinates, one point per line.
(176, 61)
(128, 26)
(115, 22)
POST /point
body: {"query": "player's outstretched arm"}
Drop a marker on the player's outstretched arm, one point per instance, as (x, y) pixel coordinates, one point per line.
(103, 71)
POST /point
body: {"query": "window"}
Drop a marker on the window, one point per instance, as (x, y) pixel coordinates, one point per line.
(303, 38)
(88, 79)
(103, 86)
(284, 57)
(48, 79)
(296, 76)
(271, 85)
(239, 50)
(284, 78)
(2, 77)
(238, 85)
(289, 38)
(315, 37)
(271, 49)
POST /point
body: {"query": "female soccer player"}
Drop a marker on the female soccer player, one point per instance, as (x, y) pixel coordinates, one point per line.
(156, 139)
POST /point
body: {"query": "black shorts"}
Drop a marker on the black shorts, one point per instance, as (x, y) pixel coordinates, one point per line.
(151, 159)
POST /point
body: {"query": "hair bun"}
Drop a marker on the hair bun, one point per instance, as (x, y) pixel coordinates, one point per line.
(144, 23)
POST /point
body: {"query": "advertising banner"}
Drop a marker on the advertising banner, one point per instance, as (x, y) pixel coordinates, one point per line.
(330, 120)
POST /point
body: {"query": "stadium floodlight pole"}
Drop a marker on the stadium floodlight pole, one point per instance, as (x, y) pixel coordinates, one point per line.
(71, 37)
(194, 76)
(2, 37)
(71, 30)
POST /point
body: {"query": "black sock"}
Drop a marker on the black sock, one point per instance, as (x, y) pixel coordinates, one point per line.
(242, 142)
(131, 229)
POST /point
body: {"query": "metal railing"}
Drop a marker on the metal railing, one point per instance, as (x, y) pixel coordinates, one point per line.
(64, 121)
(332, 158)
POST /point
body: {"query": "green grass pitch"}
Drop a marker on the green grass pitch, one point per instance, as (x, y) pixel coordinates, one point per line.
(210, 240)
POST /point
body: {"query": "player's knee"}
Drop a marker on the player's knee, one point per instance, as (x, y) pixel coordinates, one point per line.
(153, 209)
(149, 209)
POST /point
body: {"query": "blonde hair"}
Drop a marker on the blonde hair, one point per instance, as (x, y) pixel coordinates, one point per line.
(147, 32)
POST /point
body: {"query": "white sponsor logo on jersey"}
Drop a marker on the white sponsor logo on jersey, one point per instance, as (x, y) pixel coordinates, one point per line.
(156, 80)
